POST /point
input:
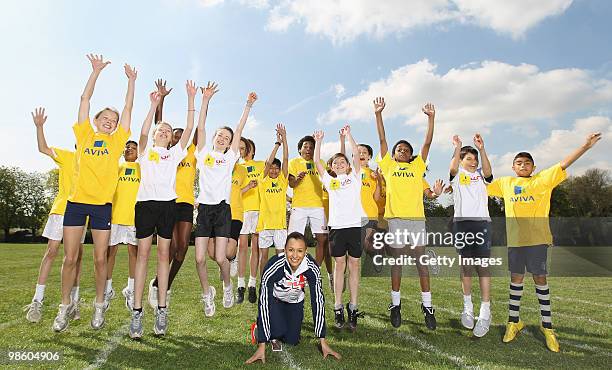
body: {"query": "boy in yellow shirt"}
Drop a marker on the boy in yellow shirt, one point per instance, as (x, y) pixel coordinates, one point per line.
(527, 205)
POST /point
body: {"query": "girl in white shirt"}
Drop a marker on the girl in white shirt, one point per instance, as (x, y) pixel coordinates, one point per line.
(346, 215)
(155, 206)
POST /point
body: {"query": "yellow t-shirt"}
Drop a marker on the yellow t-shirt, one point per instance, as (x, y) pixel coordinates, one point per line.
(254, 171)
(404, 187)
(124, 200)
(368, 187)
(272, 213)
(65, 162)
(309, 192)
(185, 177)
(527, 205)
(97, 164)
(239, 181)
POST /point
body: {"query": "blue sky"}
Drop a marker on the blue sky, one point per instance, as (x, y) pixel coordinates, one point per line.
(529, 76)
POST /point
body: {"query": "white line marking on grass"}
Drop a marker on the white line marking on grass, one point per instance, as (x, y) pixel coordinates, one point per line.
(8, 324)
(111, 345)
(576, 300)
(288, 360)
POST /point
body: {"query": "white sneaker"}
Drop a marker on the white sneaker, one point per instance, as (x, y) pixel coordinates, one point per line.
(109, 294)
(467, 319)
(234, 267)
(482, 327)
(34, 311)
(136, 325)
(75, 311)
(209, 301)
(161, 321)
(97, 321)
(61, 320)
(228, 297)
(129, 298)
(152, 295)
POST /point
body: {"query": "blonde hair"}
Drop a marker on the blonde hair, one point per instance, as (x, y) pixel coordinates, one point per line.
(110, 109)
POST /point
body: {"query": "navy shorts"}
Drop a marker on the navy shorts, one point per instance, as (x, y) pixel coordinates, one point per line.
(99, 215)
(474, 237)
(532, 258)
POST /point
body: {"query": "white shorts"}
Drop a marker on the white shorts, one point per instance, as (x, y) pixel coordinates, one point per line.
(301, 216)
(412, 230)
(267, 238)
(249, 225)
(122, 234)
(54, 228)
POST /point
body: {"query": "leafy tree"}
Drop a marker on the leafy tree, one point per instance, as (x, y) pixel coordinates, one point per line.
(9, 200)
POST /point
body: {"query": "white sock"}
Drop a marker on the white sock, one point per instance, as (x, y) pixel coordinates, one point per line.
(467, 303)
(39, 295)
(252, 281)
(109, 285)
(426, 298)
(395, 298)
(74, 293)
(131, 284)
(241, 282)
(228, 287)
(485, 310)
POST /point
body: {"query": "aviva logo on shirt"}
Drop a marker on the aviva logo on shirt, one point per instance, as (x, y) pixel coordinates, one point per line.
(250, 169)
(274, 188)
(520, 195)
(99, 148)
(129, 175)
(129, 172)
(402, 172)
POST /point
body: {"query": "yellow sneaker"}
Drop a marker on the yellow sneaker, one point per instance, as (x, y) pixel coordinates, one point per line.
(512, 330)
(551, 339)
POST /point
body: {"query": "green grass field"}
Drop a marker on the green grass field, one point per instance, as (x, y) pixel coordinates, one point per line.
(582, 315)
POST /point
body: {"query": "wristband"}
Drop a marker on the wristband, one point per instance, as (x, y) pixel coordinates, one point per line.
(277, 143)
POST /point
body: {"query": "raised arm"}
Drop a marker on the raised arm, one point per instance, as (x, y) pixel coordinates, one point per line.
(285, 164)
(207, 93)
(487, 172)
(430, 111)
(342, 141)
(191, 93)
(97, 65)
(454, 164)
(245, 114)
(146, 125)
(379, 106)
(277, 144)
(437, 190)
(163, 91)
(591, 140)
(39, 118)
(318, 136)
(354, 148)
(126, 114)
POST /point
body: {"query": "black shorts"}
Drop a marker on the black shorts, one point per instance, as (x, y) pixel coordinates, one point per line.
(532, 258)
(214, 220)
(99, 215)
(235, 230)
(346, 240)
(152, 215)
(372, 224)
(474, 236)
(184, 212)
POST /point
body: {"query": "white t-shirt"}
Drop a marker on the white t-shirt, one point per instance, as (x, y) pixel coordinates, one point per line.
(470, 196)
(345, 208)
(215, 175)
(158, 172)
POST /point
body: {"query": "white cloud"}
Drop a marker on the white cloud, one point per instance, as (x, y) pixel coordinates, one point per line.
(209, 3)
(476, 97)
(252, 123)
(560, 143)
(340, 90)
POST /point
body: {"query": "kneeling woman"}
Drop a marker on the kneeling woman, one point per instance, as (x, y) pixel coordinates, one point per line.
(281, 299)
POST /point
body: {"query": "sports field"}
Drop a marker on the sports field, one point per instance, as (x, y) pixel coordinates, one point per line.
(582, 316)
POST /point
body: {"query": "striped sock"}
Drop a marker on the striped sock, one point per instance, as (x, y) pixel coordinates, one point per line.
(543, 294)
(514, 304)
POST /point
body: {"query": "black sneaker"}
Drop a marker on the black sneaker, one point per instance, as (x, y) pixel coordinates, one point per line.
(352, 317)
(396, 315)
(240, 295)
(339, 317)
(277, 345)
(252, 294)
(430, 318)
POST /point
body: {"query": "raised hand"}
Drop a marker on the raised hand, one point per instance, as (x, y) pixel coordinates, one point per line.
(39, 117)
(429, 110)
(346, 130)
(318, 135)
(210, 90)
(379, 104)
(251, 99)
(189, 85)
(592, 139)
(252, 184)
(478, 142)
(161, 87)
(155, 98)
(438, 187)
(457, 141)
(281, 132)
(97, 62)
(130, 72)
